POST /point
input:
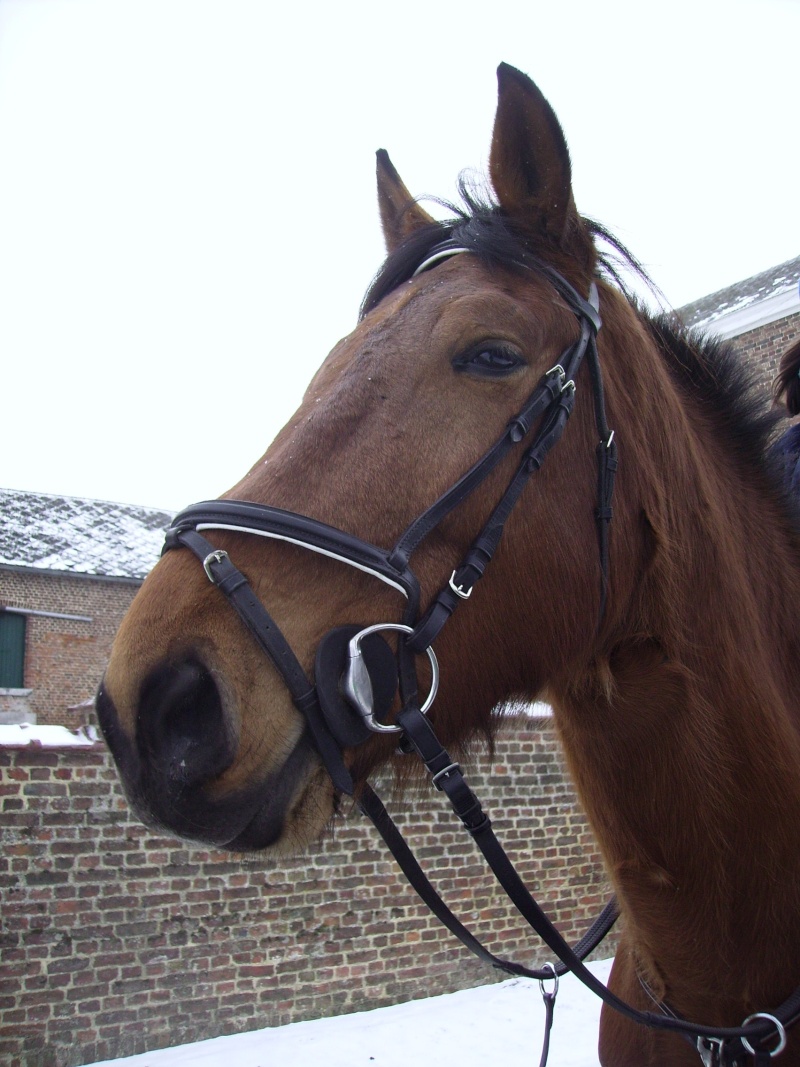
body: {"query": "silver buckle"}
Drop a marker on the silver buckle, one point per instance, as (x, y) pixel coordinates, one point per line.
(542, 989)
(459, 589)
(710, 1049)
(217, 556)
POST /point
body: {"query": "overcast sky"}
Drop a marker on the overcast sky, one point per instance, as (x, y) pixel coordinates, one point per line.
(187, 205)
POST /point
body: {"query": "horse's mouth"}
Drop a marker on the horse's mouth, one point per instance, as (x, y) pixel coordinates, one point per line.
(272, 804)
(289, 826)
(173, 767)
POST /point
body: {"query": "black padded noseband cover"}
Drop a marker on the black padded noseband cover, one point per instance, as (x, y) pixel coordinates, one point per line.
(343, 720)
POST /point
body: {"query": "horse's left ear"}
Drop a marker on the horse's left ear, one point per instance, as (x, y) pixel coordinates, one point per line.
(529, 162)
(401, 215)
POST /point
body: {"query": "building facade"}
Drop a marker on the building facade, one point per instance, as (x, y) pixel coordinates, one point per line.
(69, 569)
(759, 316)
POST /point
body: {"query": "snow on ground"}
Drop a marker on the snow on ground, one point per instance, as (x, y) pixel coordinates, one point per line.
(500, 1023)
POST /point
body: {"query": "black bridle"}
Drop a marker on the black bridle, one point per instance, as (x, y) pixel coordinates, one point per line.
(357, 674)
(533, 432)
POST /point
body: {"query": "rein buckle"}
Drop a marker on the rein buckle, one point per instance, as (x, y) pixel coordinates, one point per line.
(459, 590)
(444, 773)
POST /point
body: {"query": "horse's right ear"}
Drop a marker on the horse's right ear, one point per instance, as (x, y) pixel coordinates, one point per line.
(400, 214)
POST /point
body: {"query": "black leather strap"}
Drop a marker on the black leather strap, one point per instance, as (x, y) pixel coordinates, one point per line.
(230, 581)
(371, 806)
(247, 517)
(547, 392)
(485, 544)
(447, 776)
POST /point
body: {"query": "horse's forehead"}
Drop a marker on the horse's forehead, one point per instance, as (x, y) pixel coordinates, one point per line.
(464, 316)
(457, 299)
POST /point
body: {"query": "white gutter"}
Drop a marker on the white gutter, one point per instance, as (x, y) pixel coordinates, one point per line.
(758, 313)
(45, 614)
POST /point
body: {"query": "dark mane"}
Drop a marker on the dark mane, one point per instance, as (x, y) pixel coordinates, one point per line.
(712, 374)
(484, 228)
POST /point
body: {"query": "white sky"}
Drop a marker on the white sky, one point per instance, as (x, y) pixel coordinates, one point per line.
(187, 205)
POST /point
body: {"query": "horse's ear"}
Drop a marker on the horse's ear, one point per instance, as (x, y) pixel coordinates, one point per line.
(529, 161)
(400, 214)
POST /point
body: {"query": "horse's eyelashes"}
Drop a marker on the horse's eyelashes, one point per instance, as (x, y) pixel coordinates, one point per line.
(489, 360)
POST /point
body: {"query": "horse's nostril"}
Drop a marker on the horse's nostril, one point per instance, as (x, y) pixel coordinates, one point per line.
(182, 727)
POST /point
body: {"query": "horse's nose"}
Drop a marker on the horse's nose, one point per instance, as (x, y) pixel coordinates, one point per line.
(182, 727)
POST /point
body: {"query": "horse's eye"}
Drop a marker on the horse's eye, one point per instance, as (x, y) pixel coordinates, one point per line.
(489, 360)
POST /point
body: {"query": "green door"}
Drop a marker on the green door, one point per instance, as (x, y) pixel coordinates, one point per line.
(12, 650)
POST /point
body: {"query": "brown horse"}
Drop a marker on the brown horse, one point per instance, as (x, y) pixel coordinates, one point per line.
(676, 700)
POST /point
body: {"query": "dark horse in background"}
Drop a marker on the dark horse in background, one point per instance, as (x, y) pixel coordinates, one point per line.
(677, 701)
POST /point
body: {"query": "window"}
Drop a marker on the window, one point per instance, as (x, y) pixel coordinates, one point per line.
(12, 650)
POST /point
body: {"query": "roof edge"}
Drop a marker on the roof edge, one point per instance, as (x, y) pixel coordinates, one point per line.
(759, 313)
(83, 575)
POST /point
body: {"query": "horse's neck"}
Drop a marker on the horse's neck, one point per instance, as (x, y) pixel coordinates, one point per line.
(687, 755)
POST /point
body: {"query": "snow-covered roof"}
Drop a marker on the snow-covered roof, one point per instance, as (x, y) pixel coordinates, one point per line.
(72, 534)
(766, 297)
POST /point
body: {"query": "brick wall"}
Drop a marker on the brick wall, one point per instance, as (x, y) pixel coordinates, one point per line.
(115, 940)
(764, 346)
(64, 660)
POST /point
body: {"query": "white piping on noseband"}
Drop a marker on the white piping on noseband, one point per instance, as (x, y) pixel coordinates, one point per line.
(445, 253)
(302, 544)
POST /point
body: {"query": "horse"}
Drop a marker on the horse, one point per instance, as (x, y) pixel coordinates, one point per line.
(666, 641)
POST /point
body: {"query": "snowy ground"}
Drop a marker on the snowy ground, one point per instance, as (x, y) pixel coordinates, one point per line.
(493, 1024)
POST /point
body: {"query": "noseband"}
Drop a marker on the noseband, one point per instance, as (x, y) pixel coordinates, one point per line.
(357, 674)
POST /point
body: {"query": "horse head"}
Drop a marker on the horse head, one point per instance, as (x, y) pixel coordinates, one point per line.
(458, 332)
(407, 505)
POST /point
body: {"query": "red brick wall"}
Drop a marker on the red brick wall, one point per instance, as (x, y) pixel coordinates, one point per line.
(116, 940)
(764, 346)
(64, 660)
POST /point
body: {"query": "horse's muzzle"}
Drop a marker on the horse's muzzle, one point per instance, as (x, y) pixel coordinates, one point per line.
(183, 743)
